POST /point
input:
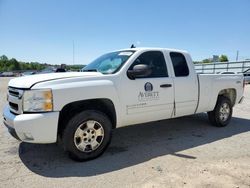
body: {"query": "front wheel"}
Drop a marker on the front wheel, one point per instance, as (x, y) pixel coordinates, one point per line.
(222, 113)
(87, 135)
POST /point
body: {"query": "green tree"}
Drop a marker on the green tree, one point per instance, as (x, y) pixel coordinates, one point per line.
(197, 62)
(206, 61)
(9, 68)
(15, 64)
(3, 58)
(223, 58)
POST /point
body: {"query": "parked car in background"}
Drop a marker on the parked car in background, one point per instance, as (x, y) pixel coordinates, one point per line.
(60, 70)
(247, 76)
(28, 73)
(46, 71)
(227, 72)
(7, 74)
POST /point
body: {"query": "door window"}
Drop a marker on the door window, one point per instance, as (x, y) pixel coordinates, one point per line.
(156, 62)
(180, 64)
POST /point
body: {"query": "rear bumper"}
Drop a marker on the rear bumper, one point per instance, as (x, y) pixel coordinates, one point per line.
(33, 128)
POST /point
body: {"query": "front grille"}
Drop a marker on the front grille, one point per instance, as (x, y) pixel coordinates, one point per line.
(14, 93)
(13, 106)
(15, 100)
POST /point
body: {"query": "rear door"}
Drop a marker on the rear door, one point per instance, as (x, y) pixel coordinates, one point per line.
(148, 98)
(185, 84)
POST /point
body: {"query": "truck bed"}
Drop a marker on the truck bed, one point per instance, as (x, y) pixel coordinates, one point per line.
(210, 85)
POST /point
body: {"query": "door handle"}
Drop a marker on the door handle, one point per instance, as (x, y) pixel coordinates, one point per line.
(166, 85)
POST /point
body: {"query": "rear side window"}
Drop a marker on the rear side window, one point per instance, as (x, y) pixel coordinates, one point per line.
(155, 60)
(179, 64)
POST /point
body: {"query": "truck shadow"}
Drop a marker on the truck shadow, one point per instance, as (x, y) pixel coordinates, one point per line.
(131, 146)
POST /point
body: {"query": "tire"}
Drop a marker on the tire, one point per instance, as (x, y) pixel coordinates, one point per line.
(222, 113)
(87, 135)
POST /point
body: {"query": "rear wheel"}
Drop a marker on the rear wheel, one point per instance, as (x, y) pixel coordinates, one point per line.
(222, 113)
(87, 135)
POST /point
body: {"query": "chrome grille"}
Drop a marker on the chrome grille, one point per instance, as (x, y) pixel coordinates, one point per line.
(15, 100)
(14, 93)
(13, 106)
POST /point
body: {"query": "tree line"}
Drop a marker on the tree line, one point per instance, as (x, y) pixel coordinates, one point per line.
(12, 64)
(222, 58)
(9, 65)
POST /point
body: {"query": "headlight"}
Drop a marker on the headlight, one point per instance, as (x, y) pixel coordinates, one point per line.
(37, 100)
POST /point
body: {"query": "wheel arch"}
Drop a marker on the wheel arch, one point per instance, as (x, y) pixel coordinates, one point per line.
(104, 105)
(229, 93)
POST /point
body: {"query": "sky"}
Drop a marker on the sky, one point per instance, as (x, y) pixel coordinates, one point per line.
(45, 30)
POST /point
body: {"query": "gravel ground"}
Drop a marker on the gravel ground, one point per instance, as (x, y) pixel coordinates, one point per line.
(183, 152)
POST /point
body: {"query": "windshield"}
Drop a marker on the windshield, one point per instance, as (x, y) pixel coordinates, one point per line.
(109, 63)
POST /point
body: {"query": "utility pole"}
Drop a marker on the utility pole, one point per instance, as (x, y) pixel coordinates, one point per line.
(237, 55)
(73, 52)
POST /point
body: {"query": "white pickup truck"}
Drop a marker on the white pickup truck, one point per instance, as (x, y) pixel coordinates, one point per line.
(120, 88)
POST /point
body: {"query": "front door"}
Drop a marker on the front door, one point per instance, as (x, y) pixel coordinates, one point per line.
(151, 97)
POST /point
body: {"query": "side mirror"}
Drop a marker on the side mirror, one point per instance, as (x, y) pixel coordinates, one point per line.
(139, 71)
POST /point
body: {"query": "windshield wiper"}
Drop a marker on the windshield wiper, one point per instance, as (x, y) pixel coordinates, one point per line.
(90, 70)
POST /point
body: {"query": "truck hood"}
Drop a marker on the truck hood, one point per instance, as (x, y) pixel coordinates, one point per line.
(26, 82)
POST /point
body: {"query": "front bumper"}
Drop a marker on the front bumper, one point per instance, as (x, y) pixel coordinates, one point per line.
(33, 128)
(12, 131)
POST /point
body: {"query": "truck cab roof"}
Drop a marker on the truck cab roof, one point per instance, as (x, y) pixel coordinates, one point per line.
(153, 48)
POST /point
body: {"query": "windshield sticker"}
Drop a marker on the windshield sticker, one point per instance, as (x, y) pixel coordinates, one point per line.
(148, 94)
(126, 53)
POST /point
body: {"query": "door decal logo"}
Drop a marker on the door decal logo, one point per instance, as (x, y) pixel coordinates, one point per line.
(148, 94)
(148, 86)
